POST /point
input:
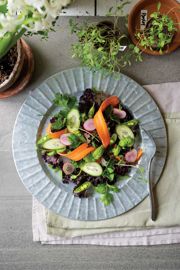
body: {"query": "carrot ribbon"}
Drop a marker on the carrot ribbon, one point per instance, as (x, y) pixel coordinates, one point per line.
(79, 153)
(139, 154)
(99, 121)
(55, 135)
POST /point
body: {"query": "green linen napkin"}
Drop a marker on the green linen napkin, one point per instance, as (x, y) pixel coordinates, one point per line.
(168, 192)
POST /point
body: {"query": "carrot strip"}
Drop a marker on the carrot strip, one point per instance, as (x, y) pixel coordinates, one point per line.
(77, 150)
(113, 100)
(84, 153)
(99, 121)
(54, 135)
(79, 153)
(139, 154)
(101, 128)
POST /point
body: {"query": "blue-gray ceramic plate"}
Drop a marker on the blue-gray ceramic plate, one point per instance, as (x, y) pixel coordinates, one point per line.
(45, 185)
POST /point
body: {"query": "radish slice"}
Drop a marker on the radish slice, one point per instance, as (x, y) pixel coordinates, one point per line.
(68, 168)
(64, 139)
(89, 125)
(131, 156)
(120, 113)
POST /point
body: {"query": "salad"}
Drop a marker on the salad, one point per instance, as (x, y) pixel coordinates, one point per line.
(91, 142)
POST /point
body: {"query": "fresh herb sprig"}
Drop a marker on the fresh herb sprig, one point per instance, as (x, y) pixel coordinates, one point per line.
(108, 172)
(75, 140)
(105, 191)
(98, 47)
(66, 103)
(159, 31)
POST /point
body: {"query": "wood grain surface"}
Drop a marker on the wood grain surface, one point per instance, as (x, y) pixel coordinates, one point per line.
(93, 7)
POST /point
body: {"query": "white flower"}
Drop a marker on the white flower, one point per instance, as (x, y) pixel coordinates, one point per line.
(43, 13)
(9, 24)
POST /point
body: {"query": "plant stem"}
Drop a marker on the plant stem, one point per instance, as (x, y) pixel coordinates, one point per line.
(89, 134)
(128, 165)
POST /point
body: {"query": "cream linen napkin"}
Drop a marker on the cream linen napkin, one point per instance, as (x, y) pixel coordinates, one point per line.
(141, 237)
(168, 187)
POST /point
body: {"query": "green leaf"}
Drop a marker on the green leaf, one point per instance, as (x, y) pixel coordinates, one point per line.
(110, 10)
(100, 49)
(65, 101)
(107, 198)
(136, 50)
(59, 123)
(101, 188)
(113, 188)
(109, 170)
(109, 175)
(75, 140)
(126, 142)
(75, 164)
(158, 6)
(3, 8)
(89, 158)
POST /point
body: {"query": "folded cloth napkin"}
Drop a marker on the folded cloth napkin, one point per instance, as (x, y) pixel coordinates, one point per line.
(139, 218)
(121, 238)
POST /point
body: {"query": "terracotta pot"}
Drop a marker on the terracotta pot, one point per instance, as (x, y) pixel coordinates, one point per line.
(16, 70)
(135, 21)
(25, 74)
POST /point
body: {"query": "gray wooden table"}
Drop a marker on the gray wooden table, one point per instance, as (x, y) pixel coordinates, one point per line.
(93, 7)
(17, 251)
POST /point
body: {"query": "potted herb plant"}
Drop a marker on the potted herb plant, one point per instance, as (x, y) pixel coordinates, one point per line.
(102, 45)
(155, 26)
(20, 17)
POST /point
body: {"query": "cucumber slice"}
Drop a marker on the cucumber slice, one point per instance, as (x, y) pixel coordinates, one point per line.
(73, 120)
(124, 131)
(54, 144)
(92, 168)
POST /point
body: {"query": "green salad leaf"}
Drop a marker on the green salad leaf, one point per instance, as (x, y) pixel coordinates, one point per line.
(107, 198)
(109, 171)
(75, 140)
(101, 188)
(113, 188)
(59, 123)
(126, 142)
(105, 191)
(65, 101)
